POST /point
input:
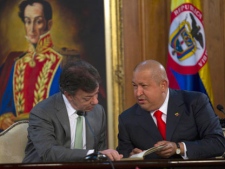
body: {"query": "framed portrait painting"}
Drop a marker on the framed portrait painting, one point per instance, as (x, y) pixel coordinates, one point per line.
(68, 30)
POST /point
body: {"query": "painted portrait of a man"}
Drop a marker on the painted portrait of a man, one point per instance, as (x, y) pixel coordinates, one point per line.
(38, 38)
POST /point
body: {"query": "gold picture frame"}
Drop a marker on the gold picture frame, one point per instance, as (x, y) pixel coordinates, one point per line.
(114, 66)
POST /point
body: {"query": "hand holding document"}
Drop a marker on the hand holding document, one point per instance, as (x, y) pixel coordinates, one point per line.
(140, 156)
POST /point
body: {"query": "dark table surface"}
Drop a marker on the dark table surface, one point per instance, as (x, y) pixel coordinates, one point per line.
(134, 164)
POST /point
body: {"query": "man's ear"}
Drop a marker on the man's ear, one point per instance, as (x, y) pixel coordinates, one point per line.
(68, 96)
(49, 24)
(164, 85)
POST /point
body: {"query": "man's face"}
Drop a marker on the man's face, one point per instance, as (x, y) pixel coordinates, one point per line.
(149, 95)
(84, 101)
(35, 22)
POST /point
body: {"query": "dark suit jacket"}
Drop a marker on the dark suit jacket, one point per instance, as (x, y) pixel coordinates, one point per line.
(190, 119)
(49, 137)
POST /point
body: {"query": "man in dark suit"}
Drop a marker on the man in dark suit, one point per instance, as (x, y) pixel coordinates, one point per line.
(52, 123)
(192, 128)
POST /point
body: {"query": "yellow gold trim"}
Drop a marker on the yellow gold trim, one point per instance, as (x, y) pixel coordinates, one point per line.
(59, 57)
(41, 87)
(42, 79)
(24, 116)
(18, 82)
(114, 64)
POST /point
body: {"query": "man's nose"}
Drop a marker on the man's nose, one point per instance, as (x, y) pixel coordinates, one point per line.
(32, 26)
(139, 91)
(94, 100)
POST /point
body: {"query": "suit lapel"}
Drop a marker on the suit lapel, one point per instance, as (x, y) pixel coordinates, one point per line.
(63, 119)
(144, 119)
(90, 131)
(174, 113)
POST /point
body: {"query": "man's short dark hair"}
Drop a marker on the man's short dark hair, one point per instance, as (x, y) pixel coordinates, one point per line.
(79, 75)
(46, 7)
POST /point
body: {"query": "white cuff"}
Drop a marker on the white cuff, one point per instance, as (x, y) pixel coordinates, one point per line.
(185, 152)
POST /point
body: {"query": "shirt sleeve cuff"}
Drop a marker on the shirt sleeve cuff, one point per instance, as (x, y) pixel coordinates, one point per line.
(90, 152)
(185, 152)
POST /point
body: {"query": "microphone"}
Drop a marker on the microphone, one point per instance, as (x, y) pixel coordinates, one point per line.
(220, 108)
(80, 113)
(96, 155)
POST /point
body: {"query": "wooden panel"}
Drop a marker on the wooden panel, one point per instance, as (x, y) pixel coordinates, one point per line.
(155, 29)
(213, 13)
(132, 46)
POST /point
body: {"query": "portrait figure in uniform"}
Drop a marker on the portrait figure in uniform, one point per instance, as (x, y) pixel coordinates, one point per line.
(31, 75)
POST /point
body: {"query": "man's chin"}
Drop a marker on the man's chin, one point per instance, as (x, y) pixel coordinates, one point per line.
(33, 40)
(143, 106)
(89, 109)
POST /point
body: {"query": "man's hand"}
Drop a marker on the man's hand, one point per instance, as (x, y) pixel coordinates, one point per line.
(135, 151)
(113, 155)
(168, 150)
(6, 120)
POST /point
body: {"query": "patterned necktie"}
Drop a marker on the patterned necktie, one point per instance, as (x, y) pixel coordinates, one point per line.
(78, 135)
(160, 123)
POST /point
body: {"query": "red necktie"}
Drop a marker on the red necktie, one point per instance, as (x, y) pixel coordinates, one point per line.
(160, 123)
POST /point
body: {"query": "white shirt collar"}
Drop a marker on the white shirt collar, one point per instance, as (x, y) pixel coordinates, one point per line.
(164, 106)
(70, 109)
(163, 109)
